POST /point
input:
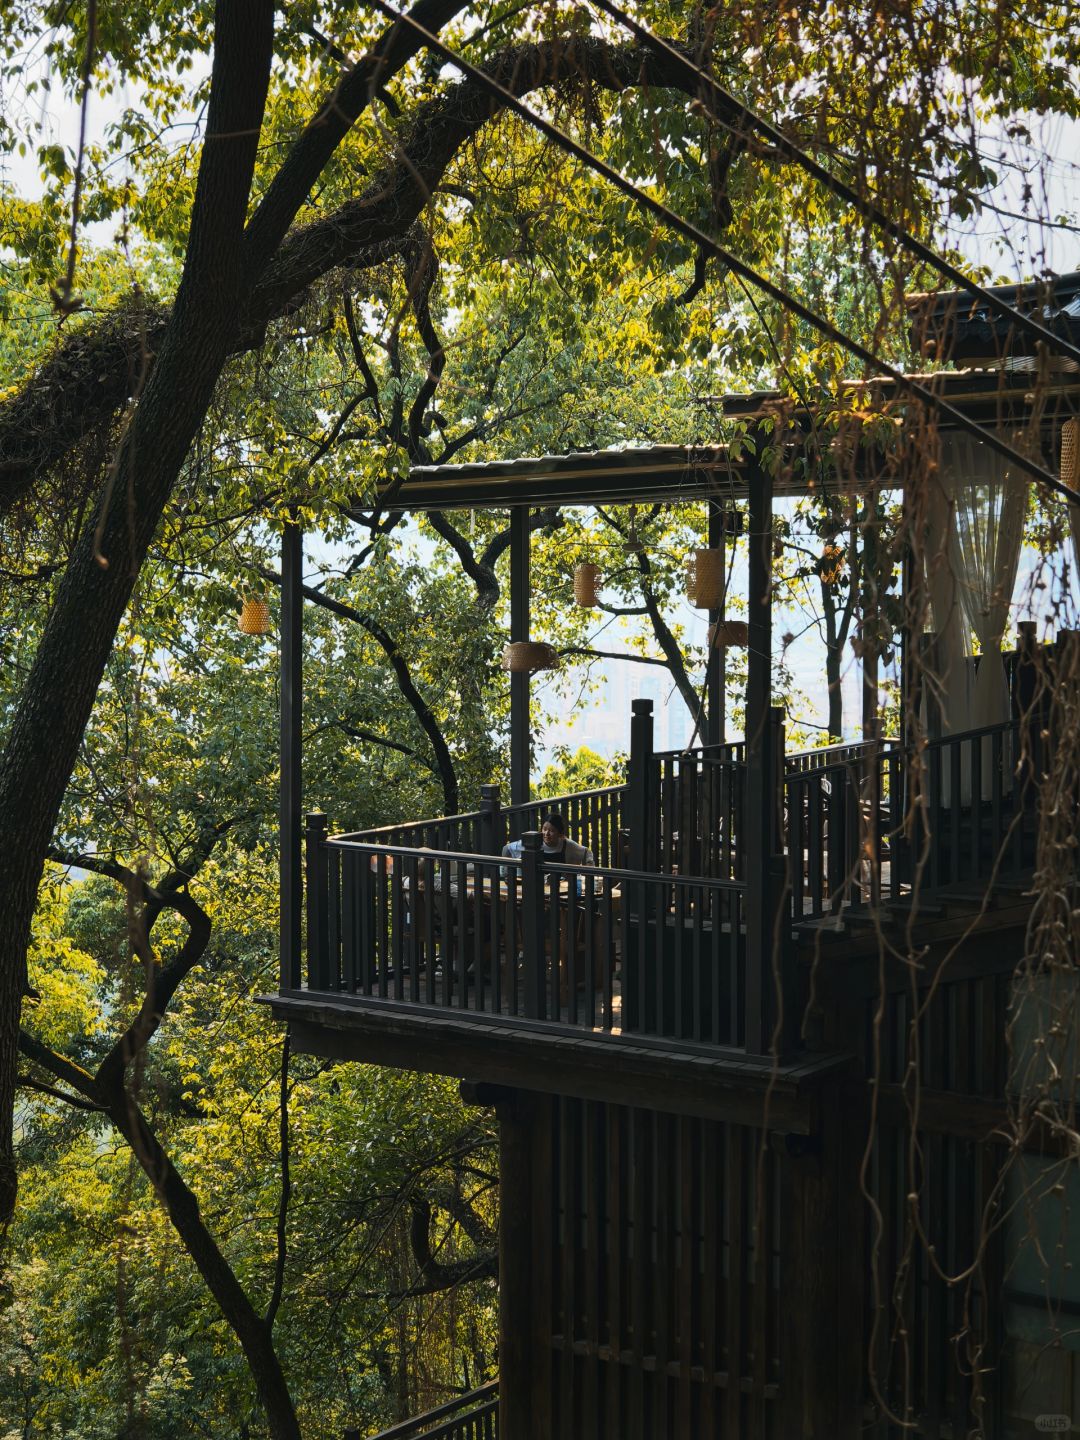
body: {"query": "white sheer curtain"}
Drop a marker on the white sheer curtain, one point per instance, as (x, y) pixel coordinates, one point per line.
(951, 676)
(989, 503)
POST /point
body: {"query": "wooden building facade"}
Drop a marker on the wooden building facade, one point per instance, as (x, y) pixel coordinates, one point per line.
(754, 1070)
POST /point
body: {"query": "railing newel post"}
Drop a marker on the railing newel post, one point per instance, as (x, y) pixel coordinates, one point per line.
(532, 926)
(491, 820)
(318, 900)
(640, 781)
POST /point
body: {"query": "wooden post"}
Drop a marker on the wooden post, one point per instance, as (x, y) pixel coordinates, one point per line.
(809, 1265)
(641, 822)
(870, 625)
(491, 820)
(908, 677)
(517, 1260)
(318, 902)
(532, 926)
(290, 716)
(715, 668)
(761, 800)
(520, 590)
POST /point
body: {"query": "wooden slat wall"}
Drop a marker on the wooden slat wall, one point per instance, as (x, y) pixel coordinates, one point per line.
(663, 1319)
(933, 1336)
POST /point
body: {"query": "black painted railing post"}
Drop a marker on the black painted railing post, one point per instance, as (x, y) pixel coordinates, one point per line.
(491, 820)
(641, 821)
(532, 926)
(785, 850)
(318, 901)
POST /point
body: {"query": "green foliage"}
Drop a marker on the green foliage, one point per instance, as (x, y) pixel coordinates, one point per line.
(566, 319)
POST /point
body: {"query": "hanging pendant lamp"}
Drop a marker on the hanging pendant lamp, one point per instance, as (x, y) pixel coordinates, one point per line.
(529, 656)
(705, 579)
(586, 579)
(254, 616)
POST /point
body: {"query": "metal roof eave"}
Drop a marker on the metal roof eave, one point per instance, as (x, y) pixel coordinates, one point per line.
(672, 474)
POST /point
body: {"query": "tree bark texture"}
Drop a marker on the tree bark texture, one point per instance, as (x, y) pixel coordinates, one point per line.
(233, 281)
(89, 378)
(43, 742)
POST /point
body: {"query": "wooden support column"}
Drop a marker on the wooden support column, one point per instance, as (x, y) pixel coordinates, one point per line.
(492, 837)
(715, 670)
(534, 970)
(909, 677)
(640, 819)
(811, 1263)
(520, 595)
(518, 1348)
(291, 760)
(761, 779)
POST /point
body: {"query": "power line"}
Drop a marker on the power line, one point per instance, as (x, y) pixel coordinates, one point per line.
(866, 207)
(669, 217)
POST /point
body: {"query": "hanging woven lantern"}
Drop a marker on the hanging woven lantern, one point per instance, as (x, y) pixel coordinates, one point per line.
(728, 632)
(528, 656)
(255, 616)
(1070, 453)
(705, 579)
(586, 577)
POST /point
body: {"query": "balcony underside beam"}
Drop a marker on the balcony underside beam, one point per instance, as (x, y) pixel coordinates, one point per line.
(545, 1058)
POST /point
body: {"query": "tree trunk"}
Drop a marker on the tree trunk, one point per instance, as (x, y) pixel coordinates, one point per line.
(183, 1210)
(59, 694)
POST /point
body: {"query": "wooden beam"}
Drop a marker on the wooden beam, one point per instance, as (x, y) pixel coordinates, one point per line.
(518, 1353)
(520, 595)
(537, 1057)
(716, 664)
(291, 760)
(759, 796)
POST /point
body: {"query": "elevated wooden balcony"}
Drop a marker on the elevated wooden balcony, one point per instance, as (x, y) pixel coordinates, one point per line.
(678, 964)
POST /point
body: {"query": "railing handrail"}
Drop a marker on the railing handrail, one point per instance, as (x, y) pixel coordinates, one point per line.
(373, 848)
(955, 737)
(422, 852)
(852, 747)
(561, 799)
(480, 1399)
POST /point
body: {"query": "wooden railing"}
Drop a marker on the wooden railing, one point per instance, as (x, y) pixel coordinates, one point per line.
(594, 819)
(474, 1416)
(594, 948)
(451, 832)
(672, 934)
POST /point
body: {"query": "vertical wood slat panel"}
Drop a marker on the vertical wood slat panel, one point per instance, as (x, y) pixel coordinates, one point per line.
(734, 1174)
(708, 1141)
(638, 1274)
(646, 1211)
(686, 1309)
(662, 1268)
(593, 1148)
(568, 1191)
(544, 1203)
(350, 939)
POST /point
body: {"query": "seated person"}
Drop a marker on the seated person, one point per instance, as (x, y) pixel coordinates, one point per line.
(557, 847)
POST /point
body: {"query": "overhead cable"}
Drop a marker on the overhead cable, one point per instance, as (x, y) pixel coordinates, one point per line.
(824, 327)
(866, 207)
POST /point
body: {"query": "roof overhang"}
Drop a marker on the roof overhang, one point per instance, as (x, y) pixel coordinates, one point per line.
(676, 474)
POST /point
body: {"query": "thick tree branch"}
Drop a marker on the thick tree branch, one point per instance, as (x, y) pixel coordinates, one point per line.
(27, 1082)
(435, 1276)
(286, 1191)
(614, 655)
(89, 378)
(425, 716)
